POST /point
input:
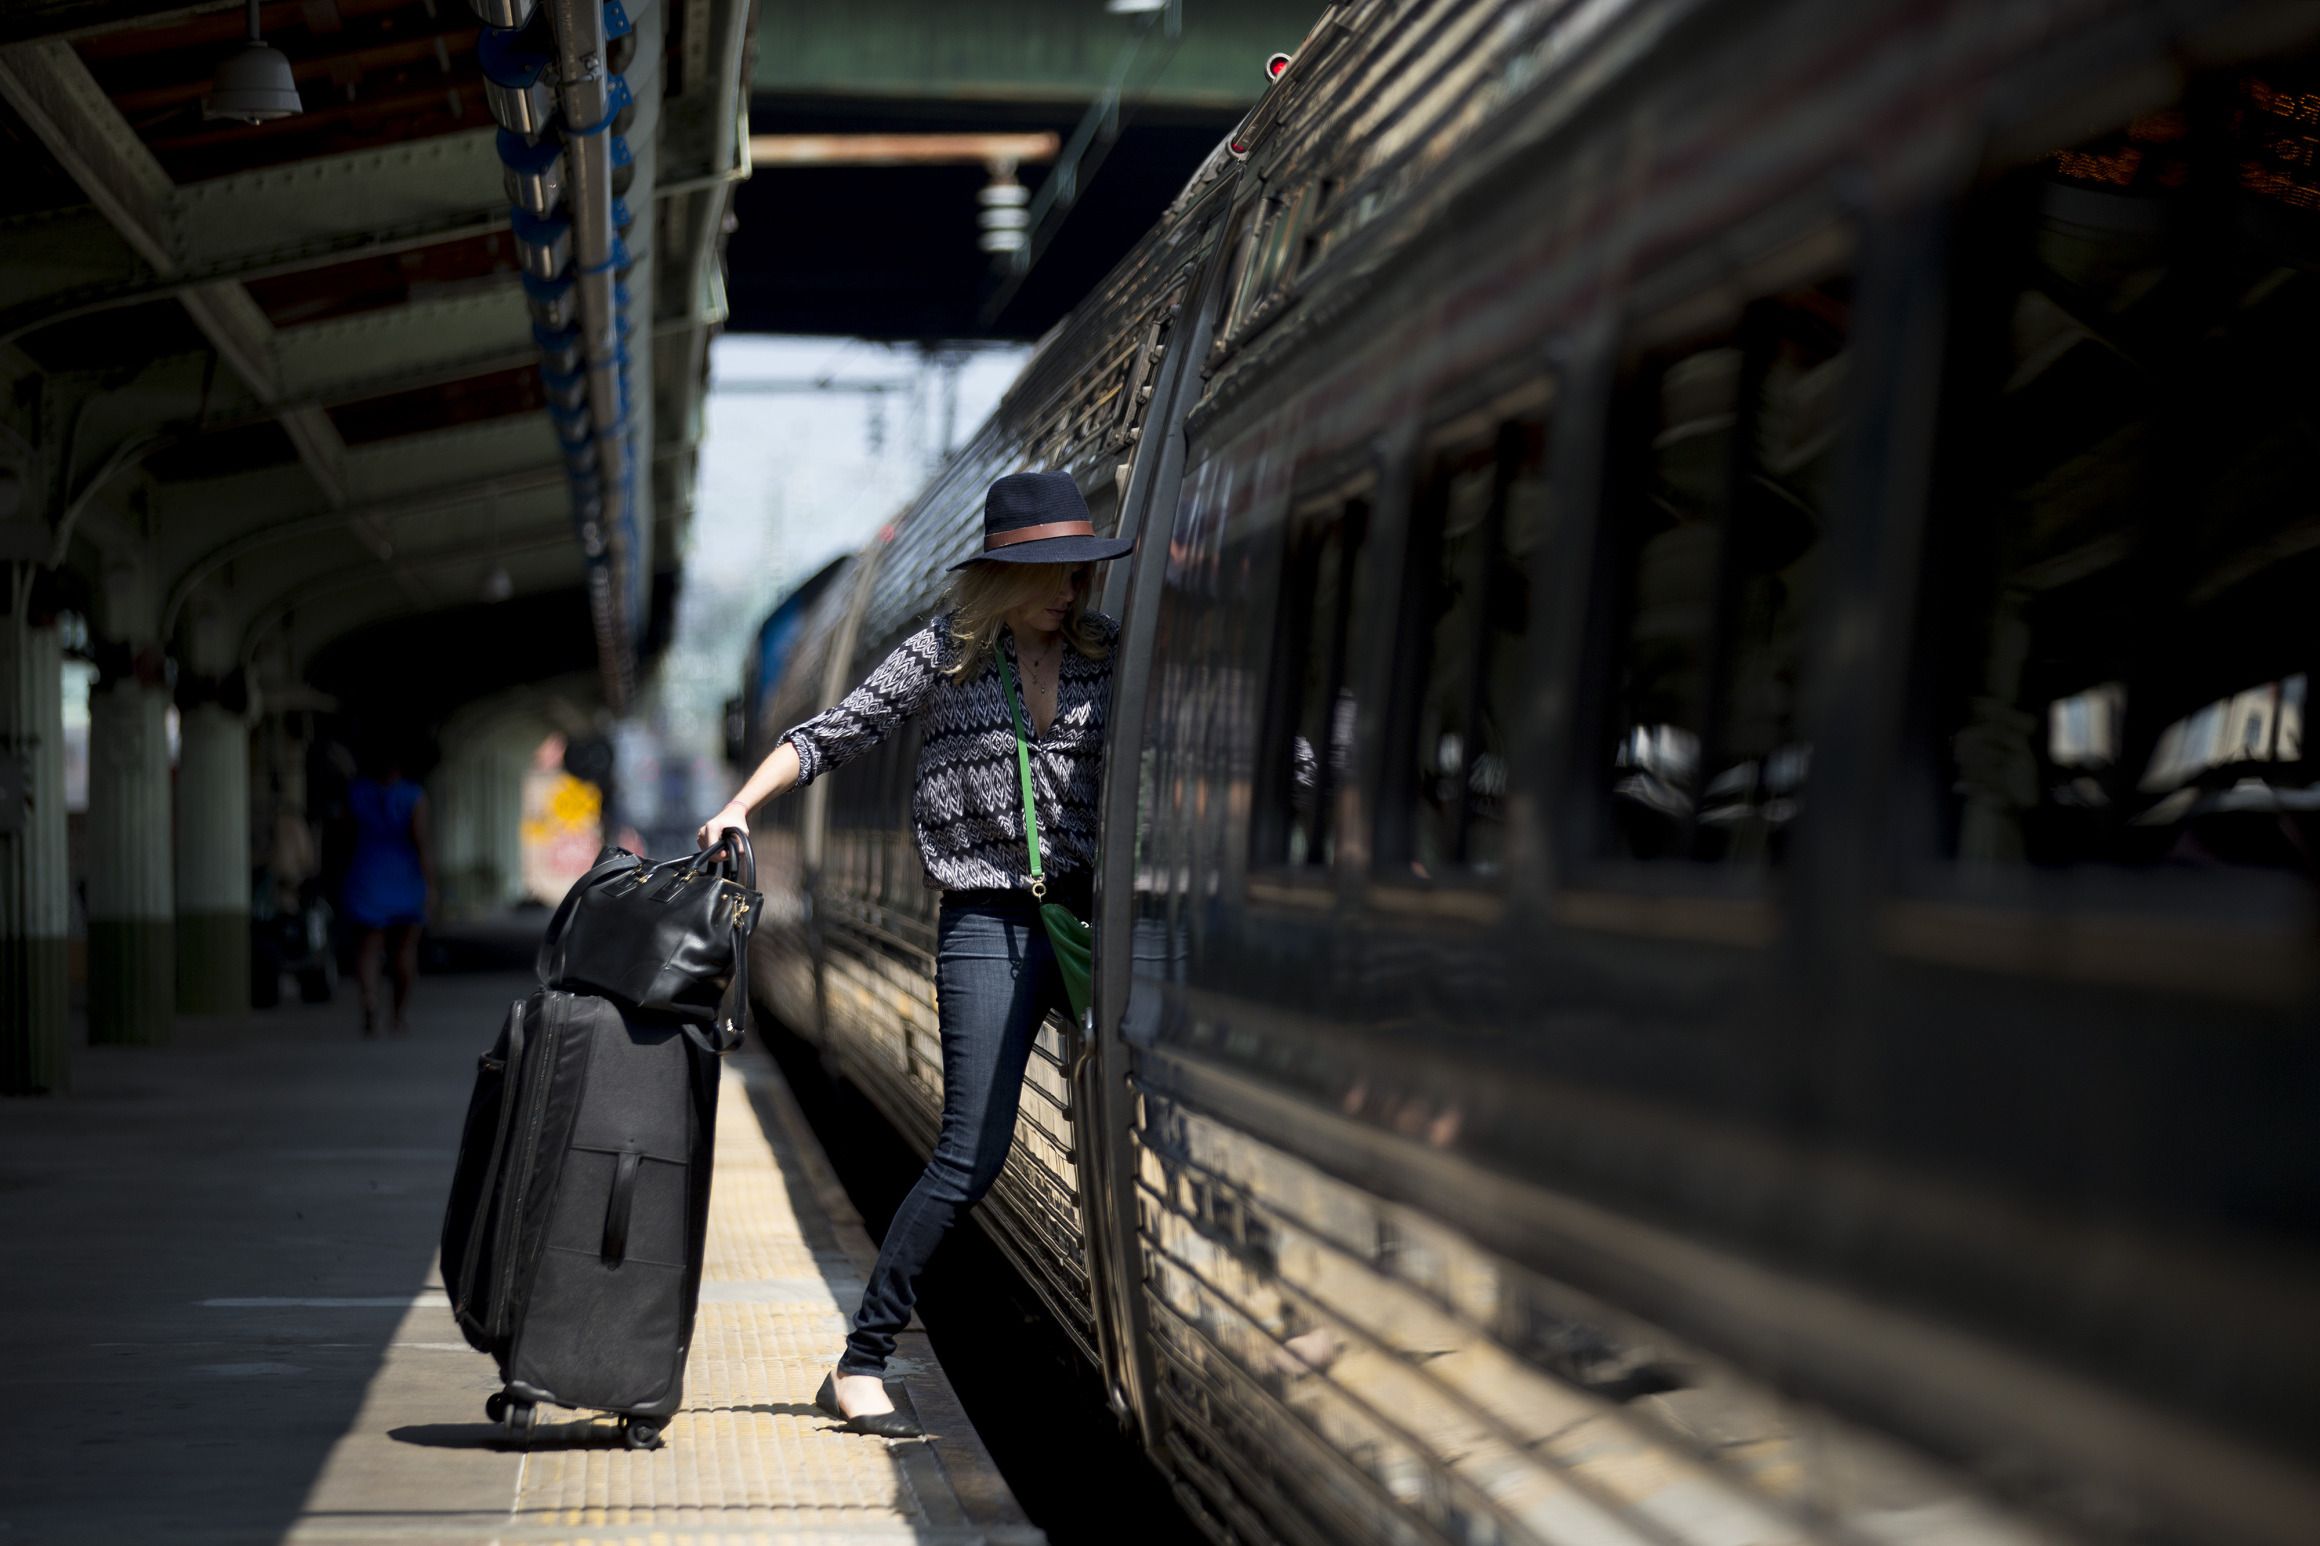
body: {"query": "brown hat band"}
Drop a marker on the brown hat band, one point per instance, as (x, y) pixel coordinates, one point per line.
(1007, 539)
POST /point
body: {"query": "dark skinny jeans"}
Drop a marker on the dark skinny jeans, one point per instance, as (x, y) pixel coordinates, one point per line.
(995, 980)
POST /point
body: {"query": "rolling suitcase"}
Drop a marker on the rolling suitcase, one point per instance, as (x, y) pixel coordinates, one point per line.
(573, 1240)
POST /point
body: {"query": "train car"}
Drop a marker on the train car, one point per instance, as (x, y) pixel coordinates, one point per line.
(768, 662)
(1708, 929)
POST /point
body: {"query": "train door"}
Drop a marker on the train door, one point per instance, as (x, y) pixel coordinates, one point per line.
(1101, 1093)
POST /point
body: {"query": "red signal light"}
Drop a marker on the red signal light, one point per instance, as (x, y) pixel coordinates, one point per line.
(1275, 65)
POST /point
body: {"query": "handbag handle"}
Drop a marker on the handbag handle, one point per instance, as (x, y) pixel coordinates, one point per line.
(737, 860)
(729, 858)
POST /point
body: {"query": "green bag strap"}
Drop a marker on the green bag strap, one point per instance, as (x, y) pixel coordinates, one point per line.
(1023, 766)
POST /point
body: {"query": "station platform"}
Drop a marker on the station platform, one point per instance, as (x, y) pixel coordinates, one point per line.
(224, 1321)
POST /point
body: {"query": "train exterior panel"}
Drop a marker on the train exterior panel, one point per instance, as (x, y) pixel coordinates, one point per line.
(1708, 924)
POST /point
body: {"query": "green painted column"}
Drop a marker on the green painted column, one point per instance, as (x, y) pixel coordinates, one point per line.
(132, 952)
(451, 808)
(35, 883)
(476, 798)
(502, 823)
(213, 860)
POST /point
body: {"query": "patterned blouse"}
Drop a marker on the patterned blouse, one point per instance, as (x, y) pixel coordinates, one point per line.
(967, 804)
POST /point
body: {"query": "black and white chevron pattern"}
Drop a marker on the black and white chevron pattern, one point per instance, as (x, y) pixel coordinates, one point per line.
(967, 804)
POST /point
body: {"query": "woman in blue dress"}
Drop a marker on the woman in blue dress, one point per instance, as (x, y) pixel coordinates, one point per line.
(390, 884)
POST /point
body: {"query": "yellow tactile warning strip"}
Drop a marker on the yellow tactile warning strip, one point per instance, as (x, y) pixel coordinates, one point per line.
(750, 1459)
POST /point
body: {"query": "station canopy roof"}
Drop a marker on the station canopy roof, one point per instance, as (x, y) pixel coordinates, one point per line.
(279, 380)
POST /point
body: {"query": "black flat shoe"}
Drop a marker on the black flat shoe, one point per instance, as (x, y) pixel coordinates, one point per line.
(879, 1425)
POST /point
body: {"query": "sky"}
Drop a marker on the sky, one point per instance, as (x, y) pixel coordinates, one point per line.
(789, 480)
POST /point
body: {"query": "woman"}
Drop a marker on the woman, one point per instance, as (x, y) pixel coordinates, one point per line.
(1022, 601)
(390, 884)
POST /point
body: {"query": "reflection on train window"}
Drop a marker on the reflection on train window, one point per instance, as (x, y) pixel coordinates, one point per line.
(1720, 499)
(1479, 514)
(2128, 646)
(1308, 750)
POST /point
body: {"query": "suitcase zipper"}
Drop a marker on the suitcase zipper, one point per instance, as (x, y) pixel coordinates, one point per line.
(543, 1075)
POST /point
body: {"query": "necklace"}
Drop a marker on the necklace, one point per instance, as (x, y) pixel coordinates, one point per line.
(1037, 667)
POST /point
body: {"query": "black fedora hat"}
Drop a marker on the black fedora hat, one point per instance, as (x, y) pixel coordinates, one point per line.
(1039, 518)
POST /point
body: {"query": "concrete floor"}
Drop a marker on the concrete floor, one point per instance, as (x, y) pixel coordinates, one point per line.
(223, 1322)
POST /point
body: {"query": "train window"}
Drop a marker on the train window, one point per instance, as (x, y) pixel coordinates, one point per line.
(1719, 493)
(1308, 748)
(1239, 246)
(1476, 521)
(1287, 240)
(1316, 235)
(2125, 544)
(1279, 229)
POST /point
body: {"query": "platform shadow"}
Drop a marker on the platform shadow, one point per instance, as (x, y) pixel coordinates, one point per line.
(252, 1218)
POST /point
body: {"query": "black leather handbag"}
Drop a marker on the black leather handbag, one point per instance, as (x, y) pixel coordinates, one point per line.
(667, 938)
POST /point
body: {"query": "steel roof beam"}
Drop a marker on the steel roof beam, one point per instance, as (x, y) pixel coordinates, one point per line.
(67, 110)
(65, 107)
(255, 219)
(32, 21)
(512, 463)
(265, 575)
(345, 601)
(545, 479)
(57, 289)
(198, 517)
(348, 358)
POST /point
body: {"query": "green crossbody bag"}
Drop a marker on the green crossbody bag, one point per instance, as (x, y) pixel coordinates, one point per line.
(1075, 944)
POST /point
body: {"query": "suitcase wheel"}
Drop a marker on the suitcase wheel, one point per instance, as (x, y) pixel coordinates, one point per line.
(495, 1406)
(641, 1433)
(518, 1420)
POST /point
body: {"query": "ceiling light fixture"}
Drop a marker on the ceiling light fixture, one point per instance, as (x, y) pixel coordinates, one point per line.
(255, 84)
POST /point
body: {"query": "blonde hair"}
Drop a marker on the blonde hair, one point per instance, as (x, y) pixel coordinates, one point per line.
(984, 593)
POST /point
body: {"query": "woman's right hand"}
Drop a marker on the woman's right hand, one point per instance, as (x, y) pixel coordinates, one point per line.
(732, 814)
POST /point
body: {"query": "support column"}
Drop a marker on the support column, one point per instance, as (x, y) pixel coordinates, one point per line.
(213, 860)
(503, 832)
(450, 804)
(132, 960)
(35, 883)
(213, 827)
(477, 798)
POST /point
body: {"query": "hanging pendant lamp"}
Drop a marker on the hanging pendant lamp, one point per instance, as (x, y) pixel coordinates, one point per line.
(255, 84)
